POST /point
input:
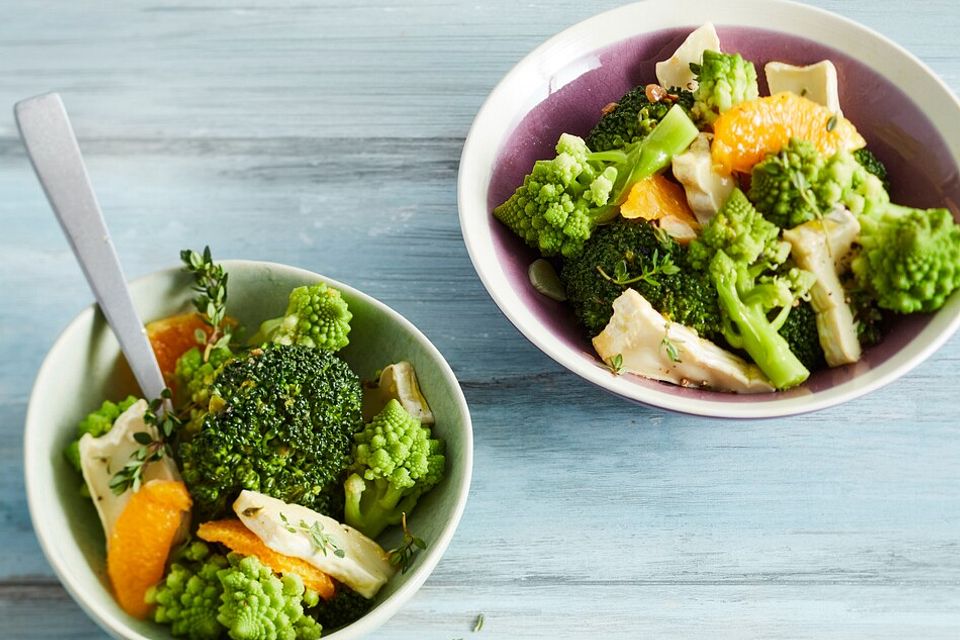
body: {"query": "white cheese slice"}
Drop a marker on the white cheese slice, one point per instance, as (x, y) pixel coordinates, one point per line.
(398, 382)
(101, 458)
(819, 246)
(363, 565)
(653, 347)
(705, 187)
(817, 82)
(675, 71)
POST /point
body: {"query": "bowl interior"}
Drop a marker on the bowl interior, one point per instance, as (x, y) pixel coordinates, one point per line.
(921, 164)
(84, 367)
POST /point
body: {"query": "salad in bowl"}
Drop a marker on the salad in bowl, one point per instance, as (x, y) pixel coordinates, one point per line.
(298, 478)
(722, 226)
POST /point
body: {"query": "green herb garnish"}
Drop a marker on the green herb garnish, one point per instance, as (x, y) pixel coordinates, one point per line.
(616, 364)
(669, 346)
(657, 266)
(403, 555)
(319, 539)
(150, 449)
(210, 283)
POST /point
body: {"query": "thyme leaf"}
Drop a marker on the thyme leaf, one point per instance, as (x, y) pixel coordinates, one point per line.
(616, 364)
(670, 347)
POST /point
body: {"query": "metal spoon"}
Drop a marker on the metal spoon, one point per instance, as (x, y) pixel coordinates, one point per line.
(46, 132)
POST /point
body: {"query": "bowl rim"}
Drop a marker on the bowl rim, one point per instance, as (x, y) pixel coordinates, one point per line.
(473, 207)
(116, 626)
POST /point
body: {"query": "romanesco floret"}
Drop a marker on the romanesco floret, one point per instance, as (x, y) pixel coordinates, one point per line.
(724, 80)
(744, 257)
(257, 605)
(846, 182)
(317, 316)
(96, 423)
(562, 199)
(395, 462)
(910, 258)
(798, 184)
(206, 595)
(189, 597)
(633, 118)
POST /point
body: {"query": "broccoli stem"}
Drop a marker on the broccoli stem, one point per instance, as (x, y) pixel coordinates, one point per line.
(671, 136)
(753, 331)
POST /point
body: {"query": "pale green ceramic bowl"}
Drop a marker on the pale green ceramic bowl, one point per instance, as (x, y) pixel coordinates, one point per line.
(84, 367)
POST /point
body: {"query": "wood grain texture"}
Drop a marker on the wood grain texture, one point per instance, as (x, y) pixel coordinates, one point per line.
(301, 131)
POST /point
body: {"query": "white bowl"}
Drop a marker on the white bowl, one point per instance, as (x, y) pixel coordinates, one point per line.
(562, 85)
(84, 367)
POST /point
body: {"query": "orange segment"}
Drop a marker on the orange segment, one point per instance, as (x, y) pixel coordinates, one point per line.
(654, 198)
(172, 337)
(746, 133)
(657, 198)
(140, 542)
(235, 536)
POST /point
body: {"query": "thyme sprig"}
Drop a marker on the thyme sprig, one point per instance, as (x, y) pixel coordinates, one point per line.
(650, 269)
(210, 283)
(319, 539)
(670, 347)
(151, 449)
(406, 552)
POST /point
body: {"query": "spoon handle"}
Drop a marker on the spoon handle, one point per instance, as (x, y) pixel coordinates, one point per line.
(55, 155)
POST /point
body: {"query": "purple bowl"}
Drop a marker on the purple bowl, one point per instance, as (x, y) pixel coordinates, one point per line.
(562, 86)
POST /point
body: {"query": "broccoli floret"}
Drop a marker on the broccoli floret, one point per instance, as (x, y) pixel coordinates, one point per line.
(632, 119)
(317, 316)
(800, 332)
(280, 421)
(872, 164)
(257, 605)
(562, 199)
(744, 257)
(395, 462)
(871, 320)
(724, 80)
(345, 607)
(189, 597)
(682, 294)
(910, 258)
(96, 423)
(798, 184)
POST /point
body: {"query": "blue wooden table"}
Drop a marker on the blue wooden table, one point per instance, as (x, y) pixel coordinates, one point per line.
(327, 135)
